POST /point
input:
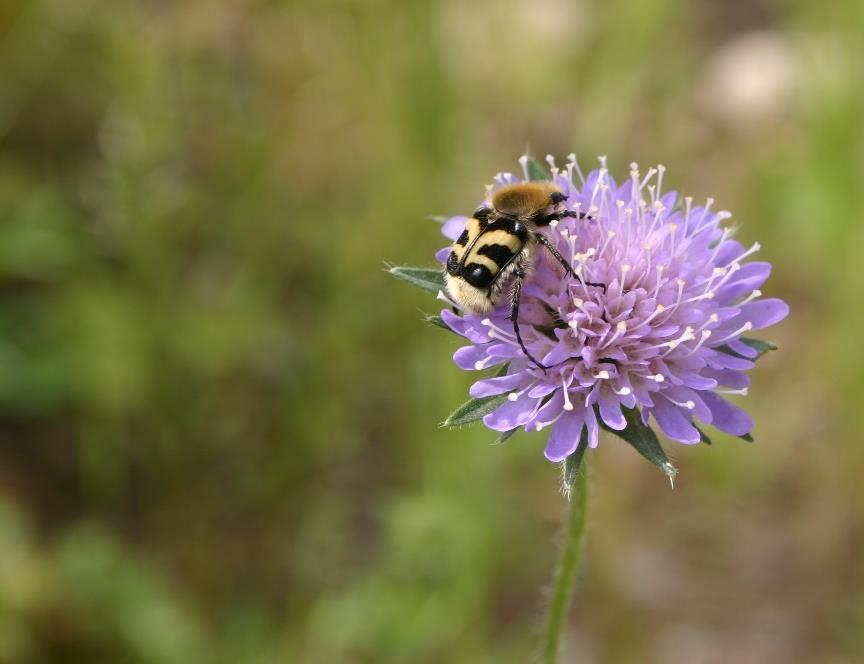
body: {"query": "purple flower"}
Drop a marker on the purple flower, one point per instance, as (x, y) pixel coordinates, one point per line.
(665, 336)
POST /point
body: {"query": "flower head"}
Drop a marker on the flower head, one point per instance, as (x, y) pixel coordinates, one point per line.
(665, 337)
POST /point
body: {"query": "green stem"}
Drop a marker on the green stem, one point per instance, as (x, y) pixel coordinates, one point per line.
(568, 564)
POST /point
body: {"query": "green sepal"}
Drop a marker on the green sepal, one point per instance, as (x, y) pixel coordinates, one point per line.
(761, 347)
(437, 321)
(644, 440)
(705, 439)
(702, 435)
(504, 436)
(536, 171)
(427, 278)
(571, 465)
(475, 409)
(758, 345)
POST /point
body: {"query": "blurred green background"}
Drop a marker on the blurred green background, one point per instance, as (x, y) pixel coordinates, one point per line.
(219, 417)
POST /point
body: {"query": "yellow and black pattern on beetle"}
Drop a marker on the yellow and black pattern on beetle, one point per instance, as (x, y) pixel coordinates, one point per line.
(497, 248)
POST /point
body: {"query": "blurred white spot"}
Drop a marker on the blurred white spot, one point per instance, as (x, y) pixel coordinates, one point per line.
(749, 80)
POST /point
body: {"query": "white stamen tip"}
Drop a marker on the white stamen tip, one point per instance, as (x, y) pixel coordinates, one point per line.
(538, 426)
(478, 365)
(625, 268)
(568, 406)
(523, 159)
(660, 309)
(705, 334)
(574, 324)
(512, 396)
(713, 318)
(747, 326)
(621, 326)
(553, 223)
(658, 377)
(603, 375)
(578, 302)
(689, 405)
(624, 391)
(486, 322)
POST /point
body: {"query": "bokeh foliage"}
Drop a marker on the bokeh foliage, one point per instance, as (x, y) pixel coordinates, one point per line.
(218, 414)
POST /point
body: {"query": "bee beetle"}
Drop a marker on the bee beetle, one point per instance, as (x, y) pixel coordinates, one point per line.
(497, 247)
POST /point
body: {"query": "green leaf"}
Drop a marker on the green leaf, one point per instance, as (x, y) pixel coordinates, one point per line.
(536, 171)
(571, 465)
(761, 347)
(475, 409)
(428, 278)
(644, 440)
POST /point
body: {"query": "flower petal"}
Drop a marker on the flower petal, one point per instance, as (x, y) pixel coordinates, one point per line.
(469, 357)
(727, 417)
(674, 422)
(743, 349)
(511, 414)
(610, 411)
(762, 313)
(729, 378)
(498, 385)
(750, 277)
(721, 360)
(698, 381)
(467, 326)
(453, 227)
(565, 436)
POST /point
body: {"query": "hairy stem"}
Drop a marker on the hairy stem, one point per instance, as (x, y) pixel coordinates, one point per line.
(568, 565)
